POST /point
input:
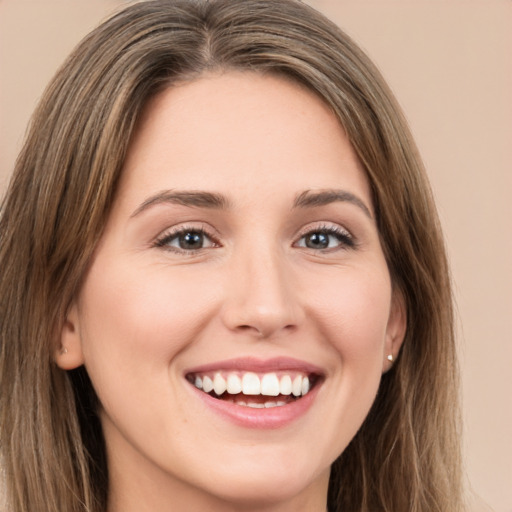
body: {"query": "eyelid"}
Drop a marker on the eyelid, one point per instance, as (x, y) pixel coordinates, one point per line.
(345, 237)
(324, 226)
(329, 228)
(160, 240)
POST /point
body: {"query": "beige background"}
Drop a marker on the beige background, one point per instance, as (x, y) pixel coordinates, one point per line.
(448, 62)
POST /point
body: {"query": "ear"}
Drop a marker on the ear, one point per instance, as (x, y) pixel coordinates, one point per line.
(395, 331)
(69, 354)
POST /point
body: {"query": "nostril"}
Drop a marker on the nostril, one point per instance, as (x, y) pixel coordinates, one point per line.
(252, 329)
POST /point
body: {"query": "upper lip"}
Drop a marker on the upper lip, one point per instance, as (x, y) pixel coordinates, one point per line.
(257, 365)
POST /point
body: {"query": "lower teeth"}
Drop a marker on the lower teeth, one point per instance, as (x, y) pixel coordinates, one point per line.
(255, 402)
(267, 405)
(259, 405)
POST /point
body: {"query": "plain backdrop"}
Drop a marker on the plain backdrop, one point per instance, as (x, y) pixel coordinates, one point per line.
(449, 63)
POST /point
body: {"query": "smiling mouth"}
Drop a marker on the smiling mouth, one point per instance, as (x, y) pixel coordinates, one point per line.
(255, 390)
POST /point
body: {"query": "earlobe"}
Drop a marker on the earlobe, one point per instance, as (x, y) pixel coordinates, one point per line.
(396, 328)
(69, 355)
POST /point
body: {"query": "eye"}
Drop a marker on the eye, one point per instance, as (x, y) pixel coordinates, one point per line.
(326, 238)
(186, 240)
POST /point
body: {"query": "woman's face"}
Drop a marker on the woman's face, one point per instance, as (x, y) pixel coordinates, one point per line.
(241, 253)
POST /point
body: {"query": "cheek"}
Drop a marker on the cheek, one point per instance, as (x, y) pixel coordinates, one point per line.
(348, 311)
(134, 327)
(353, 310)
(135, 322)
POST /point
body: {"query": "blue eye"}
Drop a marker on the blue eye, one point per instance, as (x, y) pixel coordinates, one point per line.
(326, 238)
(186, 240)
(195, 239)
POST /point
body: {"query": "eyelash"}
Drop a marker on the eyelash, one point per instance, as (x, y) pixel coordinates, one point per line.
(164, 241)
(345, 239)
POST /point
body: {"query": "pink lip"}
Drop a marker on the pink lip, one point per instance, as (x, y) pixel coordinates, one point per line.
(271, 418)
(253, 364)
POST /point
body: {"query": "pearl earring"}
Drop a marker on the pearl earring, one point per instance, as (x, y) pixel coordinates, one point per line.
(390, 357)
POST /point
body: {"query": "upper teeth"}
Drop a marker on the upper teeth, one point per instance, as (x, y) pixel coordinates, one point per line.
(249, 383)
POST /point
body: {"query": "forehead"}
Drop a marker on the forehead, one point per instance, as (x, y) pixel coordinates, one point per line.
(243, 131)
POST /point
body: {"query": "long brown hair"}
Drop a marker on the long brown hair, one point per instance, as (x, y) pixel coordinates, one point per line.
(406, 455)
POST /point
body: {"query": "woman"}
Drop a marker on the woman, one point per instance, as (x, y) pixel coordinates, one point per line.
(224, 285)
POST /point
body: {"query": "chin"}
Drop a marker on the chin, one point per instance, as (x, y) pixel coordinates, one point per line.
(255, 485)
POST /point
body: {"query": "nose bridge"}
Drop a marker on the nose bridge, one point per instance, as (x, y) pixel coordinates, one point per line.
(261, 298)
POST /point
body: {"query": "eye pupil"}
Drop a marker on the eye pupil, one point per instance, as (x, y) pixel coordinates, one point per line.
(317, 241)
(191, 240)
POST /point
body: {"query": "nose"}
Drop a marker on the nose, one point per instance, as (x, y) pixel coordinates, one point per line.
(261, 299)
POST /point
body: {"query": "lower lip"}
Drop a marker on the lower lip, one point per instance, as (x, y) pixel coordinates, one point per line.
(271, 418)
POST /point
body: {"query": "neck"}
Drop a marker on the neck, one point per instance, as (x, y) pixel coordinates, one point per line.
(134, 501)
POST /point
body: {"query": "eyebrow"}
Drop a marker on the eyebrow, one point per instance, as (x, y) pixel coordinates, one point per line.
(212, 200)
(192, 198)
(309, 199)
